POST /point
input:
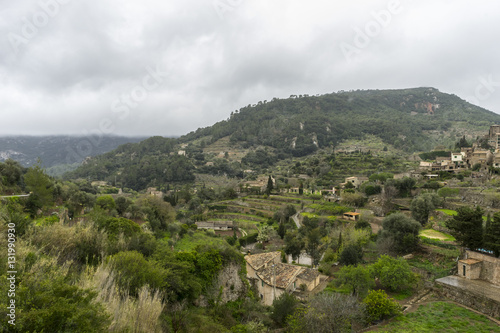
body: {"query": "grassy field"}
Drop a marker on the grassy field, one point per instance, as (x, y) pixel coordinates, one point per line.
(448, 211)
(441, 317)
(433, 234)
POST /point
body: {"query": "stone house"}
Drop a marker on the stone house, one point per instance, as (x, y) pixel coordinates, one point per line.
(260, 183)
(272, 277)
(478, 266)
(356, 181)
(215, 225)
(457, 157)
(494, 136)
(496, 160)
(478, 156)
(154, 193)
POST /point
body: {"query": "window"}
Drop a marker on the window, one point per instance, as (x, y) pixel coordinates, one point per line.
(262, 283)
(464, 270)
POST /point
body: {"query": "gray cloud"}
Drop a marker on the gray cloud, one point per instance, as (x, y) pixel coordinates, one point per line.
(89, 64)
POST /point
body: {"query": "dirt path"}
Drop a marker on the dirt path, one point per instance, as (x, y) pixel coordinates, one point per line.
(295, 219)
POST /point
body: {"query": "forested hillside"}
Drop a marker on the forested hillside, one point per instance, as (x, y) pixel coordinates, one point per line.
(409, 120)
(57, 150)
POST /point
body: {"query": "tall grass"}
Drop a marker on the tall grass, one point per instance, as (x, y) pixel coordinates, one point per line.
(128, 314)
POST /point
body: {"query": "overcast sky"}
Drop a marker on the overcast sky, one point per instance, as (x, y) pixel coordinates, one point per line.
(154, 67)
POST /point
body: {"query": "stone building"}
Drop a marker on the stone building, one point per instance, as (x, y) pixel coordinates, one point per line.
(477, 284)
(352, 216)
(215, 225)
(478, 266)
(356, 181)
(478, 156)
(494, 136)
(272, 277)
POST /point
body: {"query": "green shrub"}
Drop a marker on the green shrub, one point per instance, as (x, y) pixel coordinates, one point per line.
(378, 306)
(394, 274)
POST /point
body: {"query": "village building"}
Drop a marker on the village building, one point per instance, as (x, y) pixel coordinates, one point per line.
(259, 184)
(457, 157)
(154, 193)
(352, 216)
(476, 266)
(181, 153)
(496, 160)
(215, 225)
(494, 136)
(356, 181)
(273, 278)
(478, 157)
(477, 283)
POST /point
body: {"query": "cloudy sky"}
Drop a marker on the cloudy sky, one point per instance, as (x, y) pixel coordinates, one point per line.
(154, 67)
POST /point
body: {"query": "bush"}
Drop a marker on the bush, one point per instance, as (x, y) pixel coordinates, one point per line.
(357, 279)
(283, 306)
(351, 255)
(362, 224)
(394, 274)
(401, 231)
(378, 306)
(248, 239)
(106, 202)
(353, 199)
(133, 271)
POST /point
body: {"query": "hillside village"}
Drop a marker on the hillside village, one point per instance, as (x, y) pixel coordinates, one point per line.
(276, 249)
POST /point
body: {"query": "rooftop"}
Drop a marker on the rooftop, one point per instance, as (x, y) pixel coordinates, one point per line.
(480, 287)
(308, 274)
(470, 261)
(285, 274)
(257, 261)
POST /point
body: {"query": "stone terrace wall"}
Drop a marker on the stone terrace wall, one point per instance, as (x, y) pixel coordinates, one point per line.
(477, 302)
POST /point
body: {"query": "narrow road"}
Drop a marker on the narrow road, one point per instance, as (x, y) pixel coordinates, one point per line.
(295, 219)
(15, 196)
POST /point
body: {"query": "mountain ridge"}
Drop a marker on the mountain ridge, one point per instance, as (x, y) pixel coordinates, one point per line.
(410, 120)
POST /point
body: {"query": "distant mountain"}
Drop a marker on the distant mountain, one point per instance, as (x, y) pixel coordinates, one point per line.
(259, 135)
(57, 150)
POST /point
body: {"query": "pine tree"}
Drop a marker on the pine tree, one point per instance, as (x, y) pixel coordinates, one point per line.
(270, 185)
(492, 235)
(282, 230)
(467, 227)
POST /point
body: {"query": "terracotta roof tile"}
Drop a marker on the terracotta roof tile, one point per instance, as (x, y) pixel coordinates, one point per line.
(257, 261)
(285, 274)
(308, 274)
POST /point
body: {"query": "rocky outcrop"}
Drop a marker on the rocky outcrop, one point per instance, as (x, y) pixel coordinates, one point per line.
(227, 287)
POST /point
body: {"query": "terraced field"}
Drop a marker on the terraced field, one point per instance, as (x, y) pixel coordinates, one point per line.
(252, 211)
